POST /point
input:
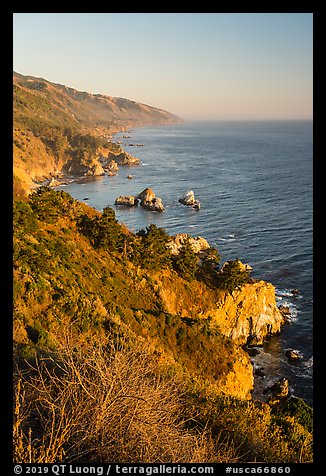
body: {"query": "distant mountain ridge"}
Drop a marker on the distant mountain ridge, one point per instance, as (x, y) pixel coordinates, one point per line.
(58, 128)
(95, 109)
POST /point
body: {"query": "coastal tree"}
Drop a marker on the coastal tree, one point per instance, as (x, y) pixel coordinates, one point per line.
(186, 261)
(104, 231)
(152, 252)
(232, 276)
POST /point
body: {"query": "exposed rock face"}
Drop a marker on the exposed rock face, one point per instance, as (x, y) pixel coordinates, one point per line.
(249, 314)
(285, 311)
(112, 166)
(242, 266)
(188, 198)
(279, 389)
(149, 201)
(197, 244)
(124, 159)
(155, 205)
(146, 195)
(127, 201)
(95, 170)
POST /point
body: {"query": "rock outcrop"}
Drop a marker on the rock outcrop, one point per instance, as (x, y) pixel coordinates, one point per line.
(197, 244)
(155, 205)
(292, 354)
(95, 170)
(149, 201)
(127, 201)
(112, 167)
(242, 266)
(188, 198)
(145, 196)
(124, 158)
(249, 314)
(279, 389)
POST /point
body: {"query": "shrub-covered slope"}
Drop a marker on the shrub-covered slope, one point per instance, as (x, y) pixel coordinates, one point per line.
(101, 345)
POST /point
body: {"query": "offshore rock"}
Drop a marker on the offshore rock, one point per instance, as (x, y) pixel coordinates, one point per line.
(155, 205)
(149, 201)
(146, 195)
(188, 198)
(292, 354)
(127, 201)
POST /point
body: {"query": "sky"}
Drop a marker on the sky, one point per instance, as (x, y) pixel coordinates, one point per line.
(199, 66)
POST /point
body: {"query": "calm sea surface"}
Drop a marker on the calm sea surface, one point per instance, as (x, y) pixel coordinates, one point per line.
(254, 183)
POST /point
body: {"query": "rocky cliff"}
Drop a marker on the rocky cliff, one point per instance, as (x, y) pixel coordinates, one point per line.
(250, 314)
(247, 315)
(59, 129)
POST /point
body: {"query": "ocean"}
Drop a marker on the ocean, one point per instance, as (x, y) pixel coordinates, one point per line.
(255, 186)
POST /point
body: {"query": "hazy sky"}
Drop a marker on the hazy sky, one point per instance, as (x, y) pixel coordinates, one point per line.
(196, 65)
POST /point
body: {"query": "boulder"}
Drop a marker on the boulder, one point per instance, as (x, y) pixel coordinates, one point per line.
(188, 198)
(292, 354)
(284, 310)
(280, 389)
(127, 201)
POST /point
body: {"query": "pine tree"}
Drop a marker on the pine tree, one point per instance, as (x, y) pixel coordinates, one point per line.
(186, 262)
(153, 252)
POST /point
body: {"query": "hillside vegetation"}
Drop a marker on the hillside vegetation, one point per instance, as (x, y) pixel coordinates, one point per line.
(56, 127)
(104, 371)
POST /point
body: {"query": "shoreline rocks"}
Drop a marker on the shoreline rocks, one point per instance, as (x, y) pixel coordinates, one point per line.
(197, 244)
(279, 391)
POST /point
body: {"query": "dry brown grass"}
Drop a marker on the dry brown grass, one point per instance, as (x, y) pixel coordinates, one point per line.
(100, 403)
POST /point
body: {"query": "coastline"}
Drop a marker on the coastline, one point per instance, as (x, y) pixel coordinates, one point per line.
(259, 361)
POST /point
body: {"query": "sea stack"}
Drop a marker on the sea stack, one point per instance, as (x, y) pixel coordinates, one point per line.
(188, 198)
(149, 201)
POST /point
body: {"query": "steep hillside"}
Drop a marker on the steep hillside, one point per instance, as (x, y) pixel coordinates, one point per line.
(55, 125)
(116, 335)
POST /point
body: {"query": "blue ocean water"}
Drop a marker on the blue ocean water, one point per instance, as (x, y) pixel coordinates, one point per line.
(254, 182)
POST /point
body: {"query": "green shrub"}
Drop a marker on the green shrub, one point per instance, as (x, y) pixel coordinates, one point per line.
(232, 276)
(185, 262)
